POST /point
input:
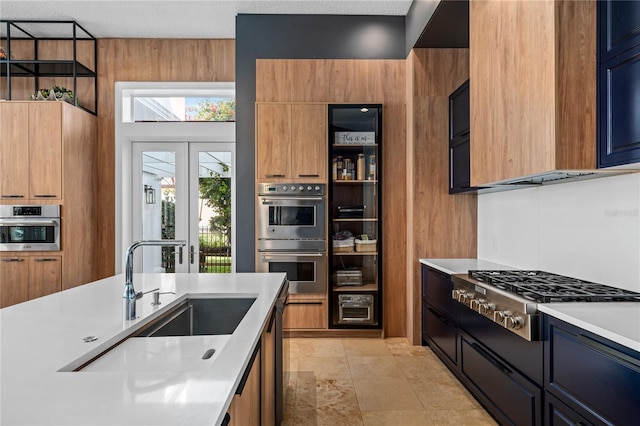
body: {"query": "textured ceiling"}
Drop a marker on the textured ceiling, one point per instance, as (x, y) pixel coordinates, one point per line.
(181, 18)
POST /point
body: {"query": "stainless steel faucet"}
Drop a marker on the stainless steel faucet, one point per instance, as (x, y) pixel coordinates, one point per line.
(130, 296)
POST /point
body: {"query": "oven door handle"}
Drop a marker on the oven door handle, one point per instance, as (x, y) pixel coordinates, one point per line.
(270, 200)
(29, 222)
(267, 255)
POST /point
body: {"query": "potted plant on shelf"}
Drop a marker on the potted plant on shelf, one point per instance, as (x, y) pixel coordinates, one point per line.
(56, 93)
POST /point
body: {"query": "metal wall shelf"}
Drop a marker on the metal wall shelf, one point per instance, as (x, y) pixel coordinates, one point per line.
(36, 31)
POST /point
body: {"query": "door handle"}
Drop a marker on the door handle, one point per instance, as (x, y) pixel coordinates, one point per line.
(191, 254)
(180, 255)
(285, 198)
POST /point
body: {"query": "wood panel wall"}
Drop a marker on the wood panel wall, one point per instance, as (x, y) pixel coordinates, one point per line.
(144, 60)
(371, 81)
(439, 225)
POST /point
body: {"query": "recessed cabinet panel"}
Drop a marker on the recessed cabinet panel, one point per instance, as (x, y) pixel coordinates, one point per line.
(514, 400)
(14, 279)
(619, 27)
(620, 110)
(611, 388)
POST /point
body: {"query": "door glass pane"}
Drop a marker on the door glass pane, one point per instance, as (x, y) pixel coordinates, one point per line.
(158, 209)
(214, 211)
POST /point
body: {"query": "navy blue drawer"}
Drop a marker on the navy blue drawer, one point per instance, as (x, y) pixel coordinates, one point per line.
(590, 373)
(436, 289)
(442, 332)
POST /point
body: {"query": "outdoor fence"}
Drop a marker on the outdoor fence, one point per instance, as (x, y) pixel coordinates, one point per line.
(214, 254)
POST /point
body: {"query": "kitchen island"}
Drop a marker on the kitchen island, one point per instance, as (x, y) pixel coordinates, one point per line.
(42, 343)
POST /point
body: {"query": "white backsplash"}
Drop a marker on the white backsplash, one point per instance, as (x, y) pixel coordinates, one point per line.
(587, 229)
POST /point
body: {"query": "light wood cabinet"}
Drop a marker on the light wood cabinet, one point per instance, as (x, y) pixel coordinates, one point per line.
(25, 278)
(14, 151)
(245, 406)
(31, 151)
(303, 312)
(48, 155)
(532, 87)
(268, 372)
(291, 142)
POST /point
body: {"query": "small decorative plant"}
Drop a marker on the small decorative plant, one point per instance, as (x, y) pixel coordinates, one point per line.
(56, 93)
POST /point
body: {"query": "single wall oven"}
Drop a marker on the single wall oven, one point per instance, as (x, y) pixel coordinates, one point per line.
(30, 228)
(291, 211)
(292, 234)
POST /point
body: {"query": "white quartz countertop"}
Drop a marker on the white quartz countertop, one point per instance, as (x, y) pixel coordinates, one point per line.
(462, 266)
(41, 342)
(616, 321)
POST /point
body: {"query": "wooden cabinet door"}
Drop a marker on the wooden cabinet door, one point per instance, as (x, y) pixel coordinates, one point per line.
(268, 371)
(14, 151)
(45, 275)
(245, 406)
(309, 142)
(273, 138)
(45, 151)
(14, 279)
(305, 314)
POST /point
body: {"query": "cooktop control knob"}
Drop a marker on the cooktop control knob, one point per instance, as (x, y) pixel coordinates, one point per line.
(514, 322)
(317, 188)
(309, 188)
(284, 187)
(486, 308)
(301, 188)
(475, 304)
(464, 297)
(500, 316)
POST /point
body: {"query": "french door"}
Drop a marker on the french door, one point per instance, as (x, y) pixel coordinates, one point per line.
(183, 191)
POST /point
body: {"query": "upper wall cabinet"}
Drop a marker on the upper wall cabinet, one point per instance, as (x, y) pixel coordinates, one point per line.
(618, 82)
(533, 74)
(291, 142)
(31, 151)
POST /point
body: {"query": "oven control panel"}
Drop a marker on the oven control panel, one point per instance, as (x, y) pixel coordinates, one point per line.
(291, 189)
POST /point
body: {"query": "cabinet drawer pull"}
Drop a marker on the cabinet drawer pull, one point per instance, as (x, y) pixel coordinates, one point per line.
(275, 176)
(609, 352)
(45, 196)
(309, 175)
(305, 303)
(208, 354)
(45, 259)
(12, 196)
(245, 376)
(437, 315)
(12, 259)
(490, 358)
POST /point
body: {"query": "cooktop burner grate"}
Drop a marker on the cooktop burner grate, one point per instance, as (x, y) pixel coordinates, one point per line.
(545, 287)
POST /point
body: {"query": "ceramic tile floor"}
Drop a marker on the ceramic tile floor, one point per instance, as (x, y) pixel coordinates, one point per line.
(342, 382)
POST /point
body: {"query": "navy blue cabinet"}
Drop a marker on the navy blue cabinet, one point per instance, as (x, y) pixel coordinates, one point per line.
(618, 82)
(596, 378)
(459, 140)
(557, 413)
(439, 315)
(510, 397)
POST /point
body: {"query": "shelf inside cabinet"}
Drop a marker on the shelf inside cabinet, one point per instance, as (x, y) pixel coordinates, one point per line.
(354, 145)
(360, 219)
(354, 182)
(357, 253)
(356, 288)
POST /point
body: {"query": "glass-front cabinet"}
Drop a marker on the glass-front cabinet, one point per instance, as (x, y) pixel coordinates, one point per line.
(355, 137)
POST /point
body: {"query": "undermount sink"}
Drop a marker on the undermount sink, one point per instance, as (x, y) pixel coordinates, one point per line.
(187, 338)
(197, 317)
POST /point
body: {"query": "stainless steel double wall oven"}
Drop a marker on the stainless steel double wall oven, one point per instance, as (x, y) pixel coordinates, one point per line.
(292, 234)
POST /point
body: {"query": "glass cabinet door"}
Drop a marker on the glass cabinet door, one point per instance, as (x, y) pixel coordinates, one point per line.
(354, 215)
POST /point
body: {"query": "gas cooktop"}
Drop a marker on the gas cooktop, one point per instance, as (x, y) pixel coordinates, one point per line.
(545, 287)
